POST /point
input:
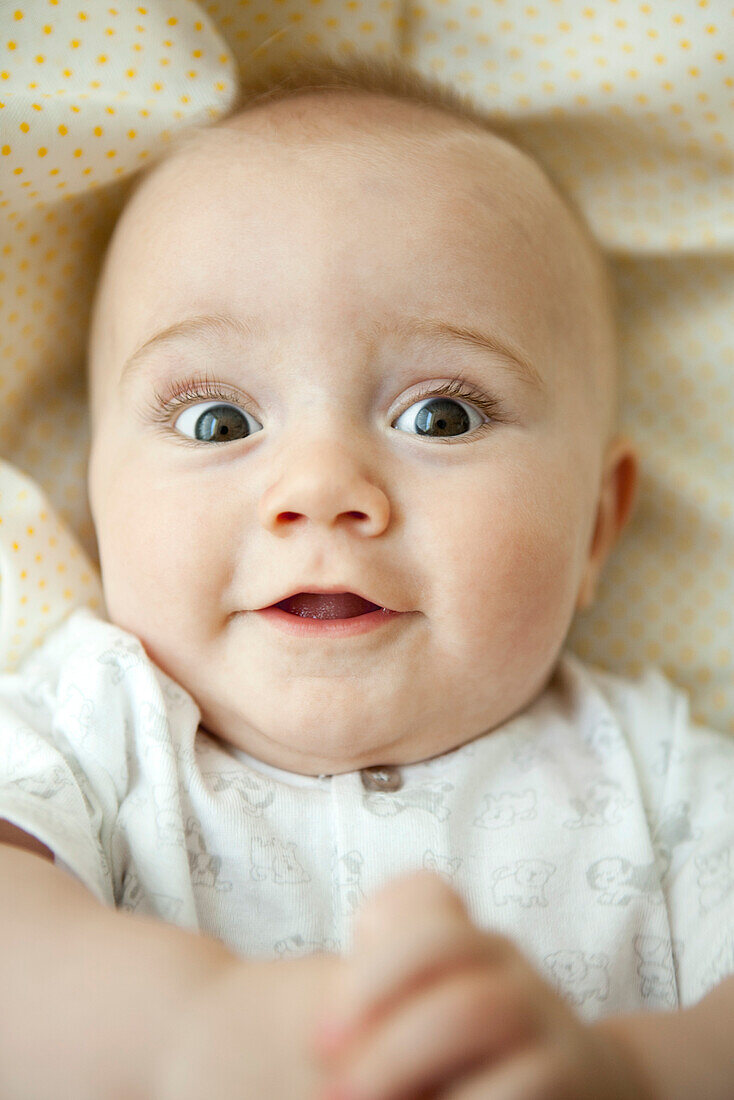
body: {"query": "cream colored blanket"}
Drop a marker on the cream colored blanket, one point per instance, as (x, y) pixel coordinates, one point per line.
(629, 103)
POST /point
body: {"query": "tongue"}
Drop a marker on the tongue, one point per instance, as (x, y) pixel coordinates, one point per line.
(323, 605)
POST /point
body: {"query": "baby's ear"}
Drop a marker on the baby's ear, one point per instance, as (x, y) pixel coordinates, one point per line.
(617, 498)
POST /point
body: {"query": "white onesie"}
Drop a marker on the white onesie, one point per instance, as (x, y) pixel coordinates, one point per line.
(596, 828)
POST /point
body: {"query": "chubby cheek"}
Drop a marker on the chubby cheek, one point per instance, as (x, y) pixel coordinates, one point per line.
(509, 574)
(163, 555)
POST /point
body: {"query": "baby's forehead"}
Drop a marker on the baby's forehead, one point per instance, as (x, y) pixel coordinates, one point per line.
(375, 137)
(355, 124)
(387, 144)
(387, 147)
(483, 202)
(395, 148)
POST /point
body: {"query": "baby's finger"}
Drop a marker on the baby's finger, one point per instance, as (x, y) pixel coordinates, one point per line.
(376, 981)
(472, 1016)
(393, 910)
(527, 1075)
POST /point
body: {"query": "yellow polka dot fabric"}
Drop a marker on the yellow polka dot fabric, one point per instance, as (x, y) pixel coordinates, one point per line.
(631, 105)
(43, 570)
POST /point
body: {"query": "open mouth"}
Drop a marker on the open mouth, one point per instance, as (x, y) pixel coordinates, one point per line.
(327, 605)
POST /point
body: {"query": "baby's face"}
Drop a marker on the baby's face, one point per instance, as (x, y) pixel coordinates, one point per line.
(341, 271)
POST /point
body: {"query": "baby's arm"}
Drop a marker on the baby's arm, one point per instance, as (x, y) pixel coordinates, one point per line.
(100, 1004)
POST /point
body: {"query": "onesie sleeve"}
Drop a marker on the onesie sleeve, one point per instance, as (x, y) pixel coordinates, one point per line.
(694, 839)
(54, 781)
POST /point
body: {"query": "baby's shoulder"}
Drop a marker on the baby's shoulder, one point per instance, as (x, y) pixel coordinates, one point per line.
(647, 698)
(651, 711)
(80, 643)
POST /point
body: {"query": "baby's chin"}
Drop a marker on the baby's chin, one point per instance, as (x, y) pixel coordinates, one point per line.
(315, 758)
(345, 710)
(334, 752)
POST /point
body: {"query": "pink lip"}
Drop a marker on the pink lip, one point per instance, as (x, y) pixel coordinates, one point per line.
(325, 628)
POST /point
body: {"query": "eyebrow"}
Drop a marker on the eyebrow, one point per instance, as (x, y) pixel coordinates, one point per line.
(221, 325)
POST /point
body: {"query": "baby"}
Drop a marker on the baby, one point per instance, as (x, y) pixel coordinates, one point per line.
(357, 825)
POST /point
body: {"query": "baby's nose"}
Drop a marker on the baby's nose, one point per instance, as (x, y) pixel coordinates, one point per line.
(325, 486)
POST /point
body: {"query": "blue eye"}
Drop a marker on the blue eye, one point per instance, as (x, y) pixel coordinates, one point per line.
(214, 422)
(439, 416)
(434, 414)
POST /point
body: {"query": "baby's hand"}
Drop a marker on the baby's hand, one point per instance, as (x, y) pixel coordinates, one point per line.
(432, 1007)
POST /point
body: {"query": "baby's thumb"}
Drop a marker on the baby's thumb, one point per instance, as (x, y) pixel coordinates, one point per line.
(402, 903)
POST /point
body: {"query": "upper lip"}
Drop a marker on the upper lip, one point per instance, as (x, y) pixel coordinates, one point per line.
(306, 586)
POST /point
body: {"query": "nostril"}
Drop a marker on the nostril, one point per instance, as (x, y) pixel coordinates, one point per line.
(287, 517)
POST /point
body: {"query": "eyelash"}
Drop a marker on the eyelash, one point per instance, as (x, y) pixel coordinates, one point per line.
(198, 388)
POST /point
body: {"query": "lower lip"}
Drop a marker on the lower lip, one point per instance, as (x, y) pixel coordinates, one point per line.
(327, 628)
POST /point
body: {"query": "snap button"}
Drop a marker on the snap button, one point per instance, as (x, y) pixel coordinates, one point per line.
(382, 777)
